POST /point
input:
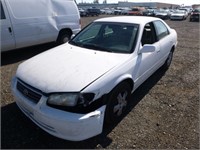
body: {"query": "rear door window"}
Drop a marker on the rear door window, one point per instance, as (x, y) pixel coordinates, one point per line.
(161, 29)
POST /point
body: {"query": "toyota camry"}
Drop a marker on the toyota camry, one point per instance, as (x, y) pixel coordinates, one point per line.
(70, 91)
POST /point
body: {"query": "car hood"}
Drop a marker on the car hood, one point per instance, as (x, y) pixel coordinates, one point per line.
(67, 68)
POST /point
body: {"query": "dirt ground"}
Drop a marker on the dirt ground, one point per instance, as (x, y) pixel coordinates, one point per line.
(164, 113)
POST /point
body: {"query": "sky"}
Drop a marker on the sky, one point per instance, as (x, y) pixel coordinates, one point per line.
(180, 2)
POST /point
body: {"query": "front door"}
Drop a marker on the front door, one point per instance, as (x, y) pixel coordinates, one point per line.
(147, 62)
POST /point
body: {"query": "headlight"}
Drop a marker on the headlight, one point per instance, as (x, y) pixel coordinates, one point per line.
(64, 99)
(70, 99)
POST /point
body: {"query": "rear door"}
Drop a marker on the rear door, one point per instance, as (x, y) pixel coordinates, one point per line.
(165, 40)
(7, 34)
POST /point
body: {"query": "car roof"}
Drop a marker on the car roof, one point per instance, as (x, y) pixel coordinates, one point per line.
(142, 20)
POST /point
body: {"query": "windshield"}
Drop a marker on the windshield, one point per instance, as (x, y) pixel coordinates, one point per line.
(196, 10)
(161, 11)
(178, 12)
(109, 37)
(135, 9)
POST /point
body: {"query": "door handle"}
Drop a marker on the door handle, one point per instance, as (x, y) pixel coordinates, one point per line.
(9, 29)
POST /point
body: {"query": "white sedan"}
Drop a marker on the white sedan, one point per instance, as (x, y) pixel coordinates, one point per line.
(178, 15)
(71, 90)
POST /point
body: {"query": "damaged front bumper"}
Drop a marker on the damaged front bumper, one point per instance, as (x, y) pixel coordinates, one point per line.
(62, 124)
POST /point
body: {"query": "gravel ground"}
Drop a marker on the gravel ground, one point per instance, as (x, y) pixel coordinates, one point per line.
(164, 113)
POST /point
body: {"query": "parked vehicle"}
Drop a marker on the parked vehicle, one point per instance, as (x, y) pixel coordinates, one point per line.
(162, 14)
(102, 11)
(71, 90)
(186, 11)
(82, 12)
(26, 23)
(117, 11)
(109, 11)
(136, 11)
(93, 12)
(148, 12)
(178, 15)
(195, 15)
(171, 11)
(125, 11)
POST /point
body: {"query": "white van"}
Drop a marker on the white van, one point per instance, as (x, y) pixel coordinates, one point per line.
(30, 22)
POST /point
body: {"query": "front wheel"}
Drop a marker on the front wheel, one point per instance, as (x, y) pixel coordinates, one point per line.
(118, 103)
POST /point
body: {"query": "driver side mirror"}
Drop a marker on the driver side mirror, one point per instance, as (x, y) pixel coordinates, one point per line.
(147, 48)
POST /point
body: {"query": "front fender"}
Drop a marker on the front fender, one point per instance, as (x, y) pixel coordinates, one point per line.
(106, 86)
(111, 79)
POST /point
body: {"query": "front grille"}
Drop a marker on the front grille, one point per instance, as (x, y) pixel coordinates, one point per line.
(28, 92)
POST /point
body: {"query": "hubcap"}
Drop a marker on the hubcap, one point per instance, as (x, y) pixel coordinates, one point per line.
(66, 39)
(169, 59)
(121, 103)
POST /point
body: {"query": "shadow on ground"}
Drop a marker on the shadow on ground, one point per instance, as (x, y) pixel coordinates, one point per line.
(19, 132)
(13, 56)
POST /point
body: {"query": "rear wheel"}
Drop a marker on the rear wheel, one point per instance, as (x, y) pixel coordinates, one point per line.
(118, 103)
(64, 37)
(168, 61)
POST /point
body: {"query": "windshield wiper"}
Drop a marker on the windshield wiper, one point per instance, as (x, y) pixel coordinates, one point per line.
(96, 47)
(75, 43)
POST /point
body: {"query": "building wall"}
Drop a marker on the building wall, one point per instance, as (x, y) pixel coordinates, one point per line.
(88, 5)
(166, 5)
(196, 6)
(132, 4)
(147, 4)
(128, 4)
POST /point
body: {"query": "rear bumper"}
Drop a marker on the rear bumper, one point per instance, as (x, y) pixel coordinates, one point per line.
(194, 17)
(62, 124)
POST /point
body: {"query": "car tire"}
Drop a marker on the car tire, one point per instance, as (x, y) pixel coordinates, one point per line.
(64, 37)
(168, 61)
(118, 103)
